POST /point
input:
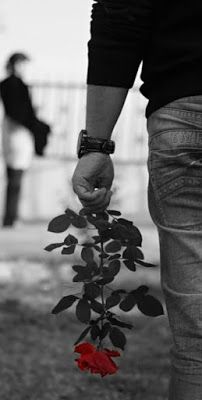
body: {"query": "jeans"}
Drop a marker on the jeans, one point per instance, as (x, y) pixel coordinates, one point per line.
(14, 182)
(175, 204)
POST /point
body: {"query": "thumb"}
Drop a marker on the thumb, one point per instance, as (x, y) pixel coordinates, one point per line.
(90, 195)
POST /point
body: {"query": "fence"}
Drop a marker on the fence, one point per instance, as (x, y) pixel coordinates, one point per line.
(47, 188)
(64, 107)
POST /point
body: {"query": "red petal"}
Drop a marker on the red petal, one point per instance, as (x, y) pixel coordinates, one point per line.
(86, 361)
(112, 353)
(81, 365)
(104, 363)
(84, 348)
(97, 362)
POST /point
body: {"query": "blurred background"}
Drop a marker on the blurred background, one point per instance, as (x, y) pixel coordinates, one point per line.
(54, 35)
(55, 38)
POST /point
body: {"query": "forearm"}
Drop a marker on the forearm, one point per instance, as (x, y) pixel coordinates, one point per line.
(119, 35)
(104, 105)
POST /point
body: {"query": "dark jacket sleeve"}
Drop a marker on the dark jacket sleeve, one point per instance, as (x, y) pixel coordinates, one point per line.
(120, 31)
(17, 103)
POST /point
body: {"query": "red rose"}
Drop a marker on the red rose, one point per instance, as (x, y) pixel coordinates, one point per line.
(96, 361)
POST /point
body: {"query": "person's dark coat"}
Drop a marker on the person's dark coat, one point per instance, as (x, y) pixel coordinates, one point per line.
(18, 106)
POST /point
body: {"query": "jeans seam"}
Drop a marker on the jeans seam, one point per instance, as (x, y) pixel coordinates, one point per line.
(177, 130)
(183, 111)
(155, 191)
(177, 190)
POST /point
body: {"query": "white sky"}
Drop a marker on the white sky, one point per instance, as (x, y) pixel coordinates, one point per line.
(53, 32)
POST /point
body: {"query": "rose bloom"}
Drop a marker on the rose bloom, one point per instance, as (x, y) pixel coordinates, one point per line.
(96, 361)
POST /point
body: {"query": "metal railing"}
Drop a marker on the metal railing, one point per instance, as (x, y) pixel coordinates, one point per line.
(63, 106)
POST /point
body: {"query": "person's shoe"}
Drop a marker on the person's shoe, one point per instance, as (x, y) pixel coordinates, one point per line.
(8, 224)
(12, 225)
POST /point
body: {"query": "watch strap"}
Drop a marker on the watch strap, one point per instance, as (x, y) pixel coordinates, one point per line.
(90, 144)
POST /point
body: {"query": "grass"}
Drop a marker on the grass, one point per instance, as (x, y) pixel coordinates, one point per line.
(37, 359)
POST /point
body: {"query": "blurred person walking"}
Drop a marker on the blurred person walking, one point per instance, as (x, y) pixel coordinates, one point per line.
(22, 133)
(167, 38)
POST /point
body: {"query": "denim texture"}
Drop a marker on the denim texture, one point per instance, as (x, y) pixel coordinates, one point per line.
(175, 204)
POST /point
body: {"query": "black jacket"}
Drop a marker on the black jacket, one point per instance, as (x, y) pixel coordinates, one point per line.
(18, 106)
(165, 35)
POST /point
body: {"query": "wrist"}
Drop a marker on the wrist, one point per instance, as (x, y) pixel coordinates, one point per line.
(88, 144)
(98, 133)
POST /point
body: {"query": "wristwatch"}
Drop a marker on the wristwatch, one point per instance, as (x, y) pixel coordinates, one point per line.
(87, 144)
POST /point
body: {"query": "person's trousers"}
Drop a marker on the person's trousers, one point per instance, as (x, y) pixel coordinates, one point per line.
(175, 204)
(13, 189)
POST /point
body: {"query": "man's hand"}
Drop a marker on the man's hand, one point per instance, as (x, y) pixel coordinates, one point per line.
(94, 171)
